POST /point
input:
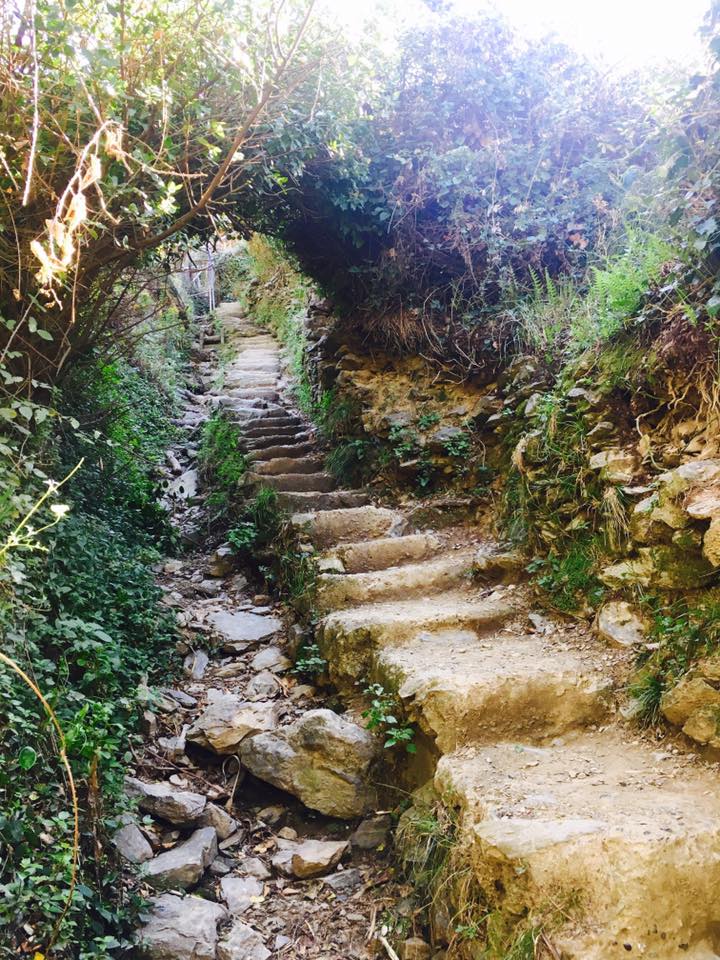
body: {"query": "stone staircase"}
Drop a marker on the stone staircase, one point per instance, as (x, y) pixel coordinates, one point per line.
(559, 801)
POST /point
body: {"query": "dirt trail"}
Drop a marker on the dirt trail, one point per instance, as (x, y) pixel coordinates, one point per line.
(563, 811)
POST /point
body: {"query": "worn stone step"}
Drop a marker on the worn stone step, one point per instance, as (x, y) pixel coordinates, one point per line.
(335, 500)
(290, 430)
(385, 552)
(265, 452)
(338, 591)
(272, 440)
(295, 482)
(463, 688)
(349, 638)
(621, 837)
(328, 528)
(289, 465)
(283, 421)
(254, 393)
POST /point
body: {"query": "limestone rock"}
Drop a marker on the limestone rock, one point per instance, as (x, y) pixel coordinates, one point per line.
(184, 865)
(312, 858)
(415, 949)
(666, 567)
(615, 465)
(131, 844)
(263, 686)
(272, 659)
(243, 627)
(372, 832)
(703, 503)
(692, 474)
(163, 800)
(195, 664)
(679, 703)
(620, 623)
(242, 943)
(711, 543)
(343, 882)
(181, 928)
(227, 720)
(703, 726)
(222, 562)
(322, 759)
(254, 867)
(221, 821)
(239, 893)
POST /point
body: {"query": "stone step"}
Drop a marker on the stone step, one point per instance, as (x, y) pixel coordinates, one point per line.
(625, 831)
(290, 465)
(295, 482)
(291, 430)
(339, 591)
(265, 452)
(385, 552)
(273, 440)
(349, 638)
(253, 393)
(328, 528)
(335, 500)
(284, 421)
(462, 688)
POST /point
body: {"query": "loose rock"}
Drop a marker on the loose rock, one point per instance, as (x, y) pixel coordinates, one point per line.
(322, 759)
(371, 833)
(163, 800)
(221, 821)
(244, 627)
(239, 893)
(242, 943)
(131, 844)
(181, 928)
(184, 865)
(227, 720)
(621, 624)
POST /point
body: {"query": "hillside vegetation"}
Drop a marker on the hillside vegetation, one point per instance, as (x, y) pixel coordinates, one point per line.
(513, 246)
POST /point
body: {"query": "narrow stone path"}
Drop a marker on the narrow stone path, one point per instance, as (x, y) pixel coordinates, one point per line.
(291, 862)
(564, 811)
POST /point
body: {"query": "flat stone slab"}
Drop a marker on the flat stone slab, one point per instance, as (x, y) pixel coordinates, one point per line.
(163, 800)
(181, 928)
(243, 627)
(240, 893)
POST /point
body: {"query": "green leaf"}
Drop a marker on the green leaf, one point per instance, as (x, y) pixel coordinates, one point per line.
(27, 758)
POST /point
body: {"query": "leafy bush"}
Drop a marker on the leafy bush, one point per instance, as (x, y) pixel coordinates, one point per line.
(222, 463)
(83, 617)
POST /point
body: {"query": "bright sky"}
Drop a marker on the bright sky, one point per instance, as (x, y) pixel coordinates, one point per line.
(624, 33)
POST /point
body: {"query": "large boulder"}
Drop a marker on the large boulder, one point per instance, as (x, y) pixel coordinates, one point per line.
(322, 758)
(181, 928)
(227, 720)
(184, 865)
(163, 800)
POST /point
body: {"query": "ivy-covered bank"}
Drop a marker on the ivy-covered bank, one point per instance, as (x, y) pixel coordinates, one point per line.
(82, 618)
